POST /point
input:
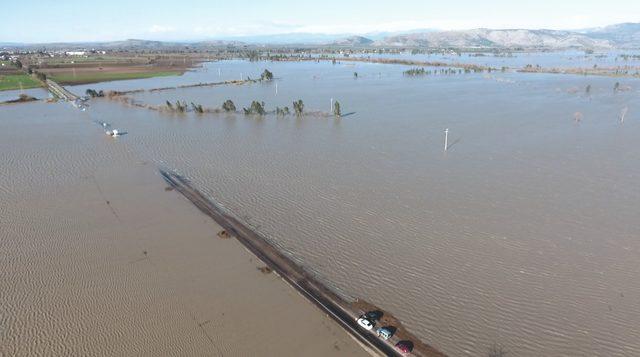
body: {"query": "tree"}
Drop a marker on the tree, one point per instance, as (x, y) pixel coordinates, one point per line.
(93, 93)
(169, 105)
(355, 74)
(266, 75)
(336, 109)
(282, 111)
(228, 106)
(298, 107)
(255, 108)
(197, 108)
(18, 63)
(616, 86)
(181, 106)
(588, 89)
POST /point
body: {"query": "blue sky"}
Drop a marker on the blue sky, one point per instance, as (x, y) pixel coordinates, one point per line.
(99, 20)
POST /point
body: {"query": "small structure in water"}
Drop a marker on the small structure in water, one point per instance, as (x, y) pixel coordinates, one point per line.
(114, 133)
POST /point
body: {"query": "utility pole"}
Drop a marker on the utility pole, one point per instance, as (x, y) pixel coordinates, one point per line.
(446, 139)
(276, 88)
(331, 108)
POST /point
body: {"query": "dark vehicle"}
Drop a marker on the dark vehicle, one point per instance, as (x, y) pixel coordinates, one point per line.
(374, 315)
(404, 346)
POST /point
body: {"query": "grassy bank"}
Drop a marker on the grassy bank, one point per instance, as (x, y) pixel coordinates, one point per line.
(18, 81)
(85, 78)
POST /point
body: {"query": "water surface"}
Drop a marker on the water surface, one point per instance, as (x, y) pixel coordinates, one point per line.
(522, 234)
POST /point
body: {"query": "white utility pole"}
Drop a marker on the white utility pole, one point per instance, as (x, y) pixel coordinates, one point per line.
(219, 72)
(331, 108)
(623, 114)
(446, 139)
(276, 88)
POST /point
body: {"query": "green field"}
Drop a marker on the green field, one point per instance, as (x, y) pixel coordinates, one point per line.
(18, 81)
(83, 78)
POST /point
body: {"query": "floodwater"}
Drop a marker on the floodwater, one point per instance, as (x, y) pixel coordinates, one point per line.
(523, 234)
(556, 59)
(15, 94)
(98, 259)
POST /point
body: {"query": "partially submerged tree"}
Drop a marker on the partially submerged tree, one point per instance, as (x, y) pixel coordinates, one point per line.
(93, 93)
(181, 106)
(298, 107)
(336, 109)
(282, 111)
(256, 108)
(266, 75)
(197, 108)
(228, 106)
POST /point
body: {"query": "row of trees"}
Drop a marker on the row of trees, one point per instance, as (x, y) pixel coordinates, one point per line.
(256, 107)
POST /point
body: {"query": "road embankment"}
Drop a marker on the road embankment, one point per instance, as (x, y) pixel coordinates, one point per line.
(337, 308)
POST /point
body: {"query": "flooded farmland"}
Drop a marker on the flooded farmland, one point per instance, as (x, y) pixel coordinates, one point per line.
(522, 234)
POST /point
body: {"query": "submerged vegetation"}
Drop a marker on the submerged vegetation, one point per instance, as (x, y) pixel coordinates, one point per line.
(298, 107)
(336, 109)
(421, 71)
(94, 94)
(256, 108)
(266, 75)
(282, 111)
(23, 98)
(228, 106)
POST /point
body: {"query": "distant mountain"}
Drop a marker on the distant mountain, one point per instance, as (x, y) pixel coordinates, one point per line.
(487, 38)
(352, 41)
(621, 35)
(626, 35)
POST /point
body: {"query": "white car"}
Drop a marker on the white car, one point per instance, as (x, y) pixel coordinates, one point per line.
(365, 323)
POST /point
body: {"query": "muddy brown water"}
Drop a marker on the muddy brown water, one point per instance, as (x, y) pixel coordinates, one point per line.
(523, 234)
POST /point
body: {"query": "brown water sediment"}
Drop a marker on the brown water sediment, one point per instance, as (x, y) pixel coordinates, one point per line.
(343, 312)
(99, 260)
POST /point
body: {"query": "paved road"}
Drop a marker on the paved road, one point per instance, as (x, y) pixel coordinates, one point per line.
(293, 274)
(61, 92)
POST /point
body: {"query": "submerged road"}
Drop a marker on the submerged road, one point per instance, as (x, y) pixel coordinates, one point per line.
(292, 273)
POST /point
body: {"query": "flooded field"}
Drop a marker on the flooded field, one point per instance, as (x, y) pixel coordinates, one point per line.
(523, 234)
(560, 59)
